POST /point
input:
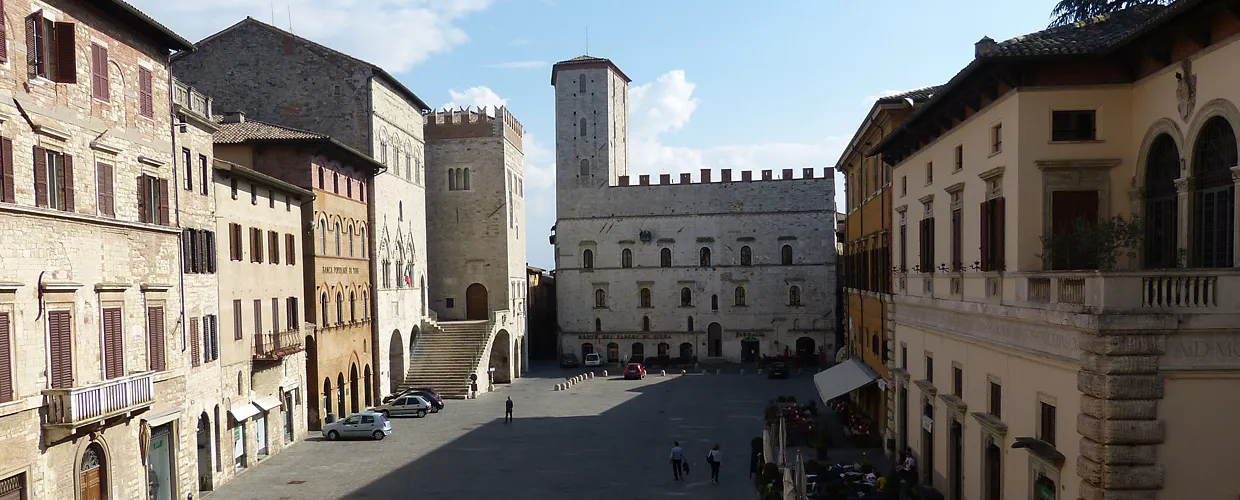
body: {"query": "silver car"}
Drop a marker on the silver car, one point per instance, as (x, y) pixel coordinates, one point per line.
(409, 404)
(359, 425)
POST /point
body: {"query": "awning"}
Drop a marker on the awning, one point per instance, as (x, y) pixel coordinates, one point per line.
(241, 412)
(843, 378)
(267, 403)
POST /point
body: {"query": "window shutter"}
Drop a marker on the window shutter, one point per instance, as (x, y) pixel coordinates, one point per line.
(107, 205)
(163, 201)
(155, 330)
(6, 360)
(146, 104)
(66, 52)
(290, 250)
(930, 242)
(68, 185)
(99, 71)
(194, 349)
(6, 158)
(187, 246)
(215, 338)
(986, 222)
(999, 235)
(142, 201)
(210, 251)
(200, 246)
(4, 32)
(236, 320)
(61, 349)
(34, 39)
(40, 177)
(114, 349)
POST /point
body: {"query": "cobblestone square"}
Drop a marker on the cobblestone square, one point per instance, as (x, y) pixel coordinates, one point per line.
(603, 438)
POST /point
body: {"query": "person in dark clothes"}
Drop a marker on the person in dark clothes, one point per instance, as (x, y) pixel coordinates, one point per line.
(508, 410)
(678, 460)
(713, 457)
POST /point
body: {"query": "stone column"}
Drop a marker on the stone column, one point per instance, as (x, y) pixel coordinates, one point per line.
(1235, 214)
(1119, 426)
(1183, 200)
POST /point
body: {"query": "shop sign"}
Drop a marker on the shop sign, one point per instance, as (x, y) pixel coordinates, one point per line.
(750, 334)
(927, 423)
(624, 336)
(340, 270)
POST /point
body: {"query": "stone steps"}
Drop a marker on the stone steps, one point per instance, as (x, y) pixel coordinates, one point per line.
(446, 354)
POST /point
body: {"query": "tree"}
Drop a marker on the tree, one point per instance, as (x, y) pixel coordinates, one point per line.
(1070, 11)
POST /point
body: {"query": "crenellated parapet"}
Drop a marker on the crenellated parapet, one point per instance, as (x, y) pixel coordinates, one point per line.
(471, 123)
(786, 174)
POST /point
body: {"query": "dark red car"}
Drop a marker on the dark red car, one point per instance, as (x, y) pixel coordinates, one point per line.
(634, 371)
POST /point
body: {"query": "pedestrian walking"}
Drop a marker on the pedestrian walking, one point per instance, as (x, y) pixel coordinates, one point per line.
(678, 460)
(712, 457)
(473, 387)
(508, 410)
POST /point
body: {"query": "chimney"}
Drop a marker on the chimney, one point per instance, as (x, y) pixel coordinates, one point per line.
(984, 46)
(686, 178)
(643, 180)
(705, 175)
(746, 175)
(787, 173)
(624, 180)
(665, 178)
(233, 117)
(727, 174)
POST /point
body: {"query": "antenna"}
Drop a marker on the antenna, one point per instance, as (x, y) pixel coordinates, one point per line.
(290, 19)
(587, 40)
(273, 13)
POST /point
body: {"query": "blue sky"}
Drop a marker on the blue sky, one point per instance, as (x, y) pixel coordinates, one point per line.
(716, 84)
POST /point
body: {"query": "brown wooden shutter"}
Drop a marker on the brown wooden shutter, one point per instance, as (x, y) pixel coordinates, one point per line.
(6, 164)
(34, 42)
(237, 320)
(107, 204)
(66, 52)
(4, 32)
(290, 248)
(200, 251)
(215, 338)
(40, 177)
(275, 314)
(146, 103)
(163, 201)
(155, 332)
(67, 192)
(142, 211)
(187, 250)
(999, 235)
(6, 360)
(99, 72)
(930, 242)
(195, 351)
(210, 251)
(113, 344)
(987, 220)
(60, 329)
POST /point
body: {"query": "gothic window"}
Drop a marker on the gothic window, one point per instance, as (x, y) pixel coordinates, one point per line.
(644, 297)
(387, 278)
(585, 167)
(408, 165)
(350, 243)
(363, 240)
(323, 308)
(587, 259)
(337, 239)
(400, 268)
(626, 258)
(794, 296)
(1162, 167)
(645, 324)
(400, 210)
(322, 238)
(465, 184)
(665, 257)
(600, 298)
(352, 306)
(740, 296)
(785, 255)
(339, 308)
(704, 257)
(746, 256)
(1214, 198)
(336, 182)
(686, 297)
(582, 126)
(365, 305)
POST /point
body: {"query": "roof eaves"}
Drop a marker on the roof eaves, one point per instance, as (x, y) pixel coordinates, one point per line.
(159, 32)
(1169, 13)
(930, 103)
(259, 176)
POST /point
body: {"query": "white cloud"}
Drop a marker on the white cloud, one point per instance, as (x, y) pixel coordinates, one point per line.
(517, 65)
(663, 105)
(406, 31)
(476, 97)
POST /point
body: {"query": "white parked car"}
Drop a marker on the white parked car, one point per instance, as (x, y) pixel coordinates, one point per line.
(409, 404)
(593, 359)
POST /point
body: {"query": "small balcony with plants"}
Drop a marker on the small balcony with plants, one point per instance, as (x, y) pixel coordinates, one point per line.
(275, 346)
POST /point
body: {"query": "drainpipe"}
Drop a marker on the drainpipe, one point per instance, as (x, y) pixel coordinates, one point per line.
(174, 184)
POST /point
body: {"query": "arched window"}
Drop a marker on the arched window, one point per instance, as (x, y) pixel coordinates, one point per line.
(323, 308)
(336, 182)
(400, 210)
(322, 238)
(665, 257)
(746, 256)
(399, 271)
(740, 296)
(794, 296)
(645, 324)
(587, 259)
(352, 306)
(339, 308)
(714, 302)
(600, 298)
(644, 297)
(582, 127)
(322, 177)
(361, 191)
(350, 243)
(585, 167)
(581, 84)
(690, 323)
(1214, 197)
(1162, 167)
(626, 258)
(465, 185)
(686, 297)
(363, 240)
(598, 325)
(451, 179)
(337, 239)
(704, 257)
(365, 305)
(785, 255)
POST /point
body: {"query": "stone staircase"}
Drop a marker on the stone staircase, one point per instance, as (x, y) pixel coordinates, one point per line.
(446, 354)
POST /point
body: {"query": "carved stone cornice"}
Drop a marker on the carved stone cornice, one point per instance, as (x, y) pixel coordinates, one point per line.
(991, 423)
(900, 373)
(1078, 164)
(954, 188)
(954, 402)
(990, 174)
(1183, 185)
(1235, 174)
(926, 387)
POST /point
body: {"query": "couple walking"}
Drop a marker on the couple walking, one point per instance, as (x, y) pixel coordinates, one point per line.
(680, 467)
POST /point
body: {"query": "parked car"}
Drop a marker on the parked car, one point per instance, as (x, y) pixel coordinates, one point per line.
(359, 425)
(433, 399)
(392, 397)
(409, 404)
(634, 371)
(593, 359)
(568, 360)
(778, 369)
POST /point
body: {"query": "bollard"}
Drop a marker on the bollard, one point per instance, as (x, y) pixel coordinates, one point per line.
(703, 371)
(718, 371)
(604, 373)
(682, 372)
(800, 371)
(759, 371)
(662, 373)
(742, 372)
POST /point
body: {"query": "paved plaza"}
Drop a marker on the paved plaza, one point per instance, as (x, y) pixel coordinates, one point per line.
(603, 438)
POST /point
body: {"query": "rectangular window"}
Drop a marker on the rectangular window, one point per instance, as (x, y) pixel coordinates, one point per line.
(1046, 423)
(189, 170)
(996, 399)
(211, 335)
(232, 183)
(13, 487)
(237, 332)
(107, 203)
(256, 245)
(903, 185)
(927, 245)
(957, 238)
(54, 49)
(155, 330)
(146, 90)
(993, 234)
(959, 157)
(930, 369)
(53, 179)
(152, 200)
(929, 172)
(958, 381)
(113, 343)
(903, 245)
(1067, 126)
(258, 316)
(290, 250)
(273, 247)
(291, 305)
(253, 194)
(271, 198)
(904, 356)
(60, 328)
(996, 139)
(203, 171)
(99, 72)
(449, 302)
(6, 359)
(234, 242)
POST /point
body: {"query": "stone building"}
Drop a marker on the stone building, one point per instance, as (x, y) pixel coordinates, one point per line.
(92, 338)
(284, 79)
(540, 318)
(1049, 348)
(866, 259)
(340, 373)
(726, 269)
(258, 368)
(476, 167)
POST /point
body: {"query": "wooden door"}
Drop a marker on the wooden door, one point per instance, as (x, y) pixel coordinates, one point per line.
(1067, 207)
(476, 302)
(92, 484)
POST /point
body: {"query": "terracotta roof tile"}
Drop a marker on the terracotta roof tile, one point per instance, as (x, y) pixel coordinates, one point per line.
(918, 96)
(249, 130)
(1092, 36)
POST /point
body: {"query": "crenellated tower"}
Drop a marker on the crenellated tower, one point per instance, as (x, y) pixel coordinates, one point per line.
(591, 127)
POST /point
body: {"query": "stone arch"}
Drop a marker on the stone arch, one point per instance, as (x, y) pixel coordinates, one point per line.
(203, 442)
(340, 394)
(476, 307)
(396, 361)
(1162, 126)
(1211, 109)
(367, 386)
(501, 357)
(92, 463)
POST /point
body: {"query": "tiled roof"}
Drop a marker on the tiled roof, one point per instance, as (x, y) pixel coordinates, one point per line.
(1092, 36)
(149, 26)
(587, 60)
(918, 96)
(249, 130)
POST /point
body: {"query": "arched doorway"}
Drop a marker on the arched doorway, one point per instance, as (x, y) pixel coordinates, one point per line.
(353, 392)
(340, 409)
(501, 357)
(313, 418)
(205, 481)
(664, 349)
(613, 353)
(749, 349)
(586, 348)
(476, 301)
(327, 400)
(714, 340)
(805, 347)
(686, 350)
(639, 353)
(396, 362)
(516, 361)
(366, 386)
(93, 474)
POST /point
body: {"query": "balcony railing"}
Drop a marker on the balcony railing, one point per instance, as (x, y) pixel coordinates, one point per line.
(79, 406)
(275, 346)
(191, 99)
(1186, 290)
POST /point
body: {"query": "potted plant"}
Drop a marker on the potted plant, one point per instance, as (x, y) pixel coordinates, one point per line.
(1093, 246)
